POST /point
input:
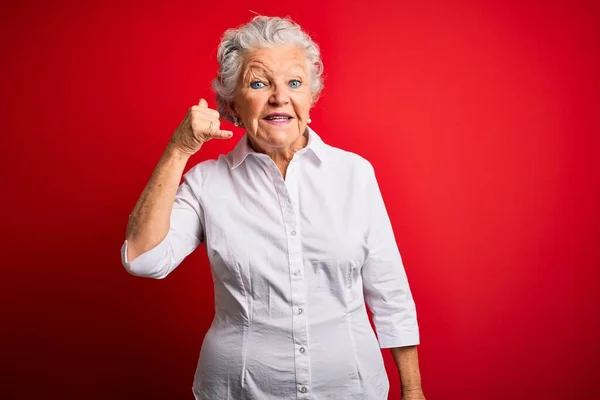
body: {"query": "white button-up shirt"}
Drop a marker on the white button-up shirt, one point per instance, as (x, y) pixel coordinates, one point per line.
(293, 261)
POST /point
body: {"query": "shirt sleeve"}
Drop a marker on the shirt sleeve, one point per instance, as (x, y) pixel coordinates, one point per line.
(385, 284)
(186, 233)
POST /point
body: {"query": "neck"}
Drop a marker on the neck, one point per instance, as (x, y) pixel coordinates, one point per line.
(281, 156)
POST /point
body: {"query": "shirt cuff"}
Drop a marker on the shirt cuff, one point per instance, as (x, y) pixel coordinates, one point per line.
(401, 339)
(150, 264)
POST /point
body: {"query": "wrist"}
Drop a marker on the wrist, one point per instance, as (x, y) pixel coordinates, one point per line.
(174, 152)
(412, 389)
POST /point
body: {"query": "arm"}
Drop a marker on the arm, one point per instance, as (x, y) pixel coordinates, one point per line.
(407, 361)
(387, 291)
(166, 222)
(149, 221)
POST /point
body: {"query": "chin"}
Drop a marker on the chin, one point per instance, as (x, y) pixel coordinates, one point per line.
(279, 136)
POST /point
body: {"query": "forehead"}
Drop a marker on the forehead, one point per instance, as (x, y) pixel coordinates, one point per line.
(278, 59)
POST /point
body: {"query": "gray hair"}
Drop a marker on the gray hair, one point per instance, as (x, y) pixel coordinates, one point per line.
(261, 32)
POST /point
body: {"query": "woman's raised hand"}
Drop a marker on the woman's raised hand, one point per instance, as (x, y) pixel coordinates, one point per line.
(199, 126)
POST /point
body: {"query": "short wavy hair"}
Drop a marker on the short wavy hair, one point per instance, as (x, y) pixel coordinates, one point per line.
(261, 32)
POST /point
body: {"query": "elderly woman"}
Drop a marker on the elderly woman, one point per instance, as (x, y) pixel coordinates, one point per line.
(296, 232)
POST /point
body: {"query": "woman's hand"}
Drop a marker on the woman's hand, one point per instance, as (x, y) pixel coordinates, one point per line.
(199, 126)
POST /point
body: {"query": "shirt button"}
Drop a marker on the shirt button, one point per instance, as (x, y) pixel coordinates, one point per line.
(303, 389)
(302, 350)
(300, 310)
(297, 272)
(293, 233)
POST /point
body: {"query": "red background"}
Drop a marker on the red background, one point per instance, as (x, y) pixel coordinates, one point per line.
(481, 119)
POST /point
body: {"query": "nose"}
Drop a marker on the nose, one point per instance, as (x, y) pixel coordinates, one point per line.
(279, 95)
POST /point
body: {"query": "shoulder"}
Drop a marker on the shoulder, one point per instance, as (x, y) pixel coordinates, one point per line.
(348, 162)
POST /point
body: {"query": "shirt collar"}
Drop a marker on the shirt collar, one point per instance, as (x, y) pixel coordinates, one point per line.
(242, 148)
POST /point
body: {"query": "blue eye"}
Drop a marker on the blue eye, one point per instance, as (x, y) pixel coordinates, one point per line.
(257, 85)
(295, 83)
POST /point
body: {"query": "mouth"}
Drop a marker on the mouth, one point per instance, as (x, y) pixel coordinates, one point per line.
(278, 118)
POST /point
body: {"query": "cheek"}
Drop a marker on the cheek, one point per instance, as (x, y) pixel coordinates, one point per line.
(303, 103)
(244, 101)
(252, 107)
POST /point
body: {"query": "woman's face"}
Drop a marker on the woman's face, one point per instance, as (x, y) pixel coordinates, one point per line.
(273, 98)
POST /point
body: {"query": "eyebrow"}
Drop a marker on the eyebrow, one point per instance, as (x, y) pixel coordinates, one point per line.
(251, 72)
(294, 68)
(256, 68)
